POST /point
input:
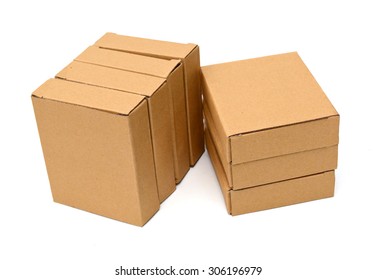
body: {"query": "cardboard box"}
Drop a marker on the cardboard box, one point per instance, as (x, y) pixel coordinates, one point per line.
(98, 150)
(158, 97)
(276, 168)
(269, 121)
(278, 194)
(189, 55)
(169, 69)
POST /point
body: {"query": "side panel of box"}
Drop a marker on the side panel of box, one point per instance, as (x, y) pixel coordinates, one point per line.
(215, 122)
(218, 143)
(194, 105)
(182, 148)
(285, 140)
(265, 171)
(162, 139)
(141, 140)
(224, 185)
(88, 157)
(283, 193)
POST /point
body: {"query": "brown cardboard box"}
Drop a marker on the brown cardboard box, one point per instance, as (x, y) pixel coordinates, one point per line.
(169, 69)
(158, 97)
(269, 121)
(278, 194)
(276, 168)
(98, 150)
(189, 55)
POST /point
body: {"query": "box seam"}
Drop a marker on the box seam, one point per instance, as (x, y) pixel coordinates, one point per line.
(88, 107)
(280, 126)
(260, 159)
(280, 181)
(147, 96)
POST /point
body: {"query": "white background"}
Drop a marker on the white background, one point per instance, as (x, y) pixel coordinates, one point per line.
(328, 239)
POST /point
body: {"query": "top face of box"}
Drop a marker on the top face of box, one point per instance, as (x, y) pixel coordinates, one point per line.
(262, 93)
(88, 96)
(111, 78)
(129, 61)
(145, 46)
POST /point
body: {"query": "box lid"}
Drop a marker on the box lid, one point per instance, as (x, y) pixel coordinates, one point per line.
(266, 92)
(145, 46)
(251, 97)
(111, 78)
(129, 61)
(88, 96)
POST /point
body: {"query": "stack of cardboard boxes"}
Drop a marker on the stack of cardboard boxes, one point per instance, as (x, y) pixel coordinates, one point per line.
(121, 125)
(271, 132)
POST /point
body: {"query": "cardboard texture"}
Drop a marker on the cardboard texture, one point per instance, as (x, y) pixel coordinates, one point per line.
(169, 69)
(189, 56)
(160, 113)
(278, 194)
(98, 150)
(268, 123)
(272, 169)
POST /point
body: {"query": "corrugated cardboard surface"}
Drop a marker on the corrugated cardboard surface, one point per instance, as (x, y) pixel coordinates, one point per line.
(284, 193)
(143, 159)
(285, 140)
(280, 88)
(111, 78)
(145, 46)
(129, 61)
(189, 54)
(182, 146)
(274, 96)
(97, 160)
(161, 126)
(260, 172)
(159, 104)
(172, 71)
(218, 167)
(88, 96)
(303, 189)
(221, 142)
(273, 169)
(194, 104)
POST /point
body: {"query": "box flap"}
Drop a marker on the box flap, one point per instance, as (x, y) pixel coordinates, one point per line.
(88, 96)
(129, 61)
(145, 46)
(111, 78)
(262, 93)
